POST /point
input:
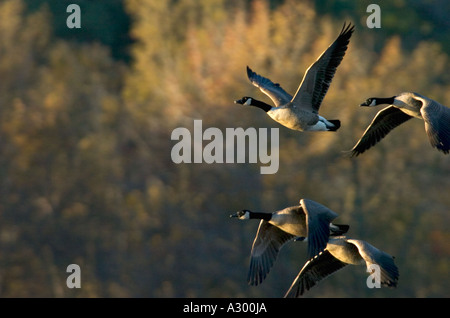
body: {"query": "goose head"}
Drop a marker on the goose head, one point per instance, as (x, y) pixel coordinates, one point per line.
(375, 101)
(242, 215)
(246, 101)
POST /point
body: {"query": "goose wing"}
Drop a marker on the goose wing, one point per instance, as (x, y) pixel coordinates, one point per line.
(318, 219)
(437, 124)
(383, 122)
(319, 75)
(277, 94)
(314, 270)
(373, 256)
(268, 241)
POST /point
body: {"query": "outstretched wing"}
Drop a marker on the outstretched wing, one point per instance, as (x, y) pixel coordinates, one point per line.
(316, 269)
(277, 94)
(319, 75)
(318, 219)
(373, 256)
(437, 124)
(268, 241)
(384, 121)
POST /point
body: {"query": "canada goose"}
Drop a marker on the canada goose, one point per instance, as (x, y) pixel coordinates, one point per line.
(309, 220)
(301, 112)
(341, 251)
(402, 108)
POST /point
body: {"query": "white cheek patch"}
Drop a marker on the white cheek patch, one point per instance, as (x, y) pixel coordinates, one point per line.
(373, 103)
(248, 102)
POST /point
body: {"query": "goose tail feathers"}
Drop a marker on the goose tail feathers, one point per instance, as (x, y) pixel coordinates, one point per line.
(336, 124)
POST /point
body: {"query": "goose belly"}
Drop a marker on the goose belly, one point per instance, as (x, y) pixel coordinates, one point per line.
(291, 225)
(288, 118)
(294, 229)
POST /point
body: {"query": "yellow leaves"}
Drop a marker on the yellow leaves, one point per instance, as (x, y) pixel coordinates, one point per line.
(146, 206)
(391, 59)
(156, 195)
(16, 114)
(110, 110)
(150, 16)
(293, 28)
(22, 41)
(439, 242)
(258, 32)
(430, 58)
(87, 143)
(36, 30)
(134, 200)
(75, 210)
(418, 70)
(201, 61)
(10, 21)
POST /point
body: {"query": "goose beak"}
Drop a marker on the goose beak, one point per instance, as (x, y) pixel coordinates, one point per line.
(233, 215)
(239, 101)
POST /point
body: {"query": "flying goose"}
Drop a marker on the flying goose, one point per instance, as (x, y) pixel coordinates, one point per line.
(309, 220)
(341, 251)
(301, 112)
(402, 108)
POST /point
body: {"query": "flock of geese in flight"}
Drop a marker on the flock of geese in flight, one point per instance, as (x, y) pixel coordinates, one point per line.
(329, 249)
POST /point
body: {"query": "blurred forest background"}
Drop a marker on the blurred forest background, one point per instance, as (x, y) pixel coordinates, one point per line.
(86, 116)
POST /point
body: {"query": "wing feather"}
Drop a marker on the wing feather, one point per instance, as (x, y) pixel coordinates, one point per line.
(268, 241)
(437, 124)
(388, 270)
(318, 222)
(319, 75)
(384, 121)
(275, 92)
(315, 270)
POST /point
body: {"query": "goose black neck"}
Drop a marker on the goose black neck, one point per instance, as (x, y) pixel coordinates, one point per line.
(260, 104)
(381, 100)
(261, 215)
